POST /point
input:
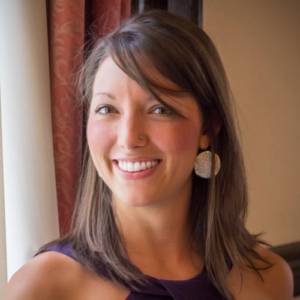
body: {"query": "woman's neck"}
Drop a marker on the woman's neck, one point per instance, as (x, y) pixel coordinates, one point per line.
(159, 236)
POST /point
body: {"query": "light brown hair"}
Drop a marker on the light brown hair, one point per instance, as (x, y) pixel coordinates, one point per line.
(184, 54)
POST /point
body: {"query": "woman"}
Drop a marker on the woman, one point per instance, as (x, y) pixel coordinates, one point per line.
(162, 200)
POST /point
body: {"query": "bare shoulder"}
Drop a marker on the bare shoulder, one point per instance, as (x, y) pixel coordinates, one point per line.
(279, 278)
(52, 275)
(46, 276)
(276, 282)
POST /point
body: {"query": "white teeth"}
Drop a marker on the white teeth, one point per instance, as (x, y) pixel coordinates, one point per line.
(130, 167)
(136, 166)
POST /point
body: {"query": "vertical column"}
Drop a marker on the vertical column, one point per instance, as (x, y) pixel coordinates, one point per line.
(3, 273)
(30, 205)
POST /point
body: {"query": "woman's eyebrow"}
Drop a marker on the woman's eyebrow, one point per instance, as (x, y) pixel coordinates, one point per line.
(113, 97)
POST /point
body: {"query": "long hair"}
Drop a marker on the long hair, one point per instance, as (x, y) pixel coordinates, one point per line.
(183, 53)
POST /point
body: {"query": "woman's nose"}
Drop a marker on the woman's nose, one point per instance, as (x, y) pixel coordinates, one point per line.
(132, 132)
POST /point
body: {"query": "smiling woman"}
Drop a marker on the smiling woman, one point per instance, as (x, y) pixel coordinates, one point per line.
(162, 200)
(138, 143)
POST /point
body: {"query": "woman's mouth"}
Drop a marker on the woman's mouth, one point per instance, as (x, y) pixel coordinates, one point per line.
(136, 166)
(136, 169)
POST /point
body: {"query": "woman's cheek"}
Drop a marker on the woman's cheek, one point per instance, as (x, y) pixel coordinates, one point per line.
(178, 138)
(98, 135)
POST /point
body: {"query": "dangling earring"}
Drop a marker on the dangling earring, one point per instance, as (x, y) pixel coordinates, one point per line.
(203, 162)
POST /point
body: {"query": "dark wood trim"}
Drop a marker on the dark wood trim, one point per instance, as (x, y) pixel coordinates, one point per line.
(291, 253)
(143, 5)
(189, 9)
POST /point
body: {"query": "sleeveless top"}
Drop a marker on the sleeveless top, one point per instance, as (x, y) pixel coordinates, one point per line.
(197, 288)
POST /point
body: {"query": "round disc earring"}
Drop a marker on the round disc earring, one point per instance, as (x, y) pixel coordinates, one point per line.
(203, 163)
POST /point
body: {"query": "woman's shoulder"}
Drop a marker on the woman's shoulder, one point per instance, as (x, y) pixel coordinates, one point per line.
(275, 282)
(49, 275)
(53, 275)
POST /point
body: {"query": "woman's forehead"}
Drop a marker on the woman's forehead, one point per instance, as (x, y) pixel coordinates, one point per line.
(153, 68)
(109, 74)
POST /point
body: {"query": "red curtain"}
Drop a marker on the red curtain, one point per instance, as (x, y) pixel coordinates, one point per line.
(71, 25)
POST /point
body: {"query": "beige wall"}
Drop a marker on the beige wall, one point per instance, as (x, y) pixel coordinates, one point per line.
(259, 42)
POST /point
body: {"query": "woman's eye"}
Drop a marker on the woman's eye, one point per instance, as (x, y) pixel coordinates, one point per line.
(162, 110)
(104, 109)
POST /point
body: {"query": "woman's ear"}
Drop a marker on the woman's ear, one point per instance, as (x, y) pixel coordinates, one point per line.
(211, 131)
(216, 123)
(205, 141)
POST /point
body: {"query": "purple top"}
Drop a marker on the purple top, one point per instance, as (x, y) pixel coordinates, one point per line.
(197, 288)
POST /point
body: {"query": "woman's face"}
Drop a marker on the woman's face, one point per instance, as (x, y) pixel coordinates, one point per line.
(143, 150)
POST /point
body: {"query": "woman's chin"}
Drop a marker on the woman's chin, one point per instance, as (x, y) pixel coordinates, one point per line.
(137, 201)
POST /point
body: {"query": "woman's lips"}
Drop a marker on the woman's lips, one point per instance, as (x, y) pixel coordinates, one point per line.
(136, 169)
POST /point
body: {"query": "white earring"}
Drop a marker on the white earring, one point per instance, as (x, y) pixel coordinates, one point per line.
(203, 163)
